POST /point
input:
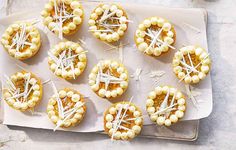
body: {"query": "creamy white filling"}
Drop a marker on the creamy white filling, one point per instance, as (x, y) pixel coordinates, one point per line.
(114, 124)
(56, 23)
(161, 114)
(68, 115)
(98, 76)
(110, 33)
(16, 98)
(157, 45)
(62, 59)
(179, 59)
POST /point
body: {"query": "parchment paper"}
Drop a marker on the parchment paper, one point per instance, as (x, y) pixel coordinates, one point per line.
(133, 59)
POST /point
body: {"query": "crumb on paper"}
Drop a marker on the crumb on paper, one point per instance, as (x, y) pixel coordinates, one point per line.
(157, 73)
(115, 47)
(81, 41)
(192, 94)
(136, 75)
(156, 76)
(46, 81)
(192, 27)
(34, 113)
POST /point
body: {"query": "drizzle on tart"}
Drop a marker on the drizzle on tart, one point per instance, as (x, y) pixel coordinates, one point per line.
(155, 36)
(108, 22)
(123, 121)
(109, 79)
(21, 40)
(66, 108)
(67, 60)
(23, 90)
(63, 17)
(191, 64)
(165, 105)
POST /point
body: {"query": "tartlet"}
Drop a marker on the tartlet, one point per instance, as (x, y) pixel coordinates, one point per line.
(123, 121)
(109, 79)
(67, 60)
(21, 40)
(108, 22)
(191, 64)
(63, 17)
(24, 91)
(155, 36)
(165, 105)
(66, 108)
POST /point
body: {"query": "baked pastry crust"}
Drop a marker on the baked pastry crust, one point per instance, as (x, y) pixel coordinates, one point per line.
(155, 36)
(131, 125)
(63, 17)
(165, 105)
(109, 79)
(67, 60)
(24, 91)
(21, 40)
(108, 22)
(191, 64)
(66, 108)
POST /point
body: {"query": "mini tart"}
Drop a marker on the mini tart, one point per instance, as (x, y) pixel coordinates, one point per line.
(191, 64)
(165, 105)
(68, 102)
(24, 91)
(155, 36)
(67, 60)
(21, 40)
(109, 79)
(131, 125)
(108, 22)
(63, 17)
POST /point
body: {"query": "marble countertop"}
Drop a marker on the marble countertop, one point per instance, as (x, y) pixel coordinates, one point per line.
(218, 131)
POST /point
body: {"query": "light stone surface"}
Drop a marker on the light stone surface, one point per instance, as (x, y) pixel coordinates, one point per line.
(218, 131)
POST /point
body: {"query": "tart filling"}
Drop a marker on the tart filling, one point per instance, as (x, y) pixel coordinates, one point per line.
(66, 108)
(23, 90)
(191, 64)
(108, 22)
(109, 79)
(21, 40)
(67, 60)
(123, 121)
(165, 105)
(63, 17)
(155, 36)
